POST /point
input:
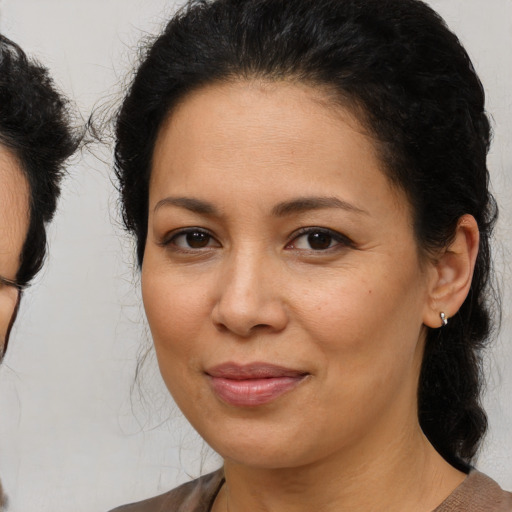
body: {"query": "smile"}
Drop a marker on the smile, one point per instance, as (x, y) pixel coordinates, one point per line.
(254, 384)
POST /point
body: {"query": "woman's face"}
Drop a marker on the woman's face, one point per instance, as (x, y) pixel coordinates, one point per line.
(14, 218)
(281, 278)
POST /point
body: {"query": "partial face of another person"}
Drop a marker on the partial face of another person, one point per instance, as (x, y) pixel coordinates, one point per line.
(281, 278)
(14, 220)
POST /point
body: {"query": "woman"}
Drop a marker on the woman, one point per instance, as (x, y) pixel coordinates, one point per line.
(307, 185)
(35, 140)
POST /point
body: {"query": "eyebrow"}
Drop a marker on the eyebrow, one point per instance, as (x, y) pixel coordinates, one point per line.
(304, 204)
(298, 205)
(188, 203)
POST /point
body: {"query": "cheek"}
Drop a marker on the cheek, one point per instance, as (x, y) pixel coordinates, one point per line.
(364, 319)
(172, 313)
(367, 335)
(176, 311)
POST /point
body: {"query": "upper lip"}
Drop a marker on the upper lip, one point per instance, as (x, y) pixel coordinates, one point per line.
(252, 371)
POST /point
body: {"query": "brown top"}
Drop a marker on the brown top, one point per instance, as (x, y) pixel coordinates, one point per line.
(195, 496)
(3, 499)
(477, 493)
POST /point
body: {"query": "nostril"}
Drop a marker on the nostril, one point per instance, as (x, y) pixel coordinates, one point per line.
(241, 330)
(221, 327)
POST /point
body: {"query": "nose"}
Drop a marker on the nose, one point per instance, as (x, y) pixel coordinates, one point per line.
(249, 297)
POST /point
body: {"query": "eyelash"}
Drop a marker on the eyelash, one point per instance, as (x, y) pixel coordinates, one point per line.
(339, 239)
(170, 239)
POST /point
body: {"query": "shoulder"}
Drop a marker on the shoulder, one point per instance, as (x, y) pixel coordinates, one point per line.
(478, 493)
(194, 496)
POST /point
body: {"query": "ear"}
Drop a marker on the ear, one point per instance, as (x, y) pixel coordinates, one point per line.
(453, 273)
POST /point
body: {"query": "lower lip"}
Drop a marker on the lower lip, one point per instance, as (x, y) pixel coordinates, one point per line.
(253, 392)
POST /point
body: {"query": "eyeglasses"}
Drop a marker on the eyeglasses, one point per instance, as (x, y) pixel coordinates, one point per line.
(9, 282)
(8, 309)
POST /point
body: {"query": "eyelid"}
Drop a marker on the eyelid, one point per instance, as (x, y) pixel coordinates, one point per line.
(167, 239)
(342, 240)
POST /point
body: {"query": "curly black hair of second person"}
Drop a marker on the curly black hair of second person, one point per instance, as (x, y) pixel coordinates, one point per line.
(35, 127)
(412, 85)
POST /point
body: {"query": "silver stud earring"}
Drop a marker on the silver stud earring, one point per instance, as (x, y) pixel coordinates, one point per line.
(444, 320)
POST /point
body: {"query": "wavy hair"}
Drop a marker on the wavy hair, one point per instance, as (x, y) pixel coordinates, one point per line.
(35, 127)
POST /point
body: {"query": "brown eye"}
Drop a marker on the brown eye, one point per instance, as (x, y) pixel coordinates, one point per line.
(192, 239)
(197, 239)
(319, 241)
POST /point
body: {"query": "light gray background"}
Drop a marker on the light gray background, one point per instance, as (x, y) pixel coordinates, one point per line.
(74, 435)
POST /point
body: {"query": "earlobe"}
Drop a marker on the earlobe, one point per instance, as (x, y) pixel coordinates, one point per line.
(453, 273)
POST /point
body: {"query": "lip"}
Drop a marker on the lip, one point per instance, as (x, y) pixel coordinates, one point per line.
(252, 384)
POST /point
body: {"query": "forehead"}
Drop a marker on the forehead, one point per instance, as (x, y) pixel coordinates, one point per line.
(14, 212)
(249, 131)
(283, 111)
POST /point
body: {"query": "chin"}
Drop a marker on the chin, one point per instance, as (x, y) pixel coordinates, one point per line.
(262, 448)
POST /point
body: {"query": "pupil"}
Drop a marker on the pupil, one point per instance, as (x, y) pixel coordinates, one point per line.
(196, 239)
(319, 241)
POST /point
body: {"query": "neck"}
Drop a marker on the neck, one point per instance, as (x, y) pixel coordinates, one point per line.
(407, 474)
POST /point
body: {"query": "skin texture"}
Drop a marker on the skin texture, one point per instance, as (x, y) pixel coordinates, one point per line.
(350, 317)
(14, 220)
